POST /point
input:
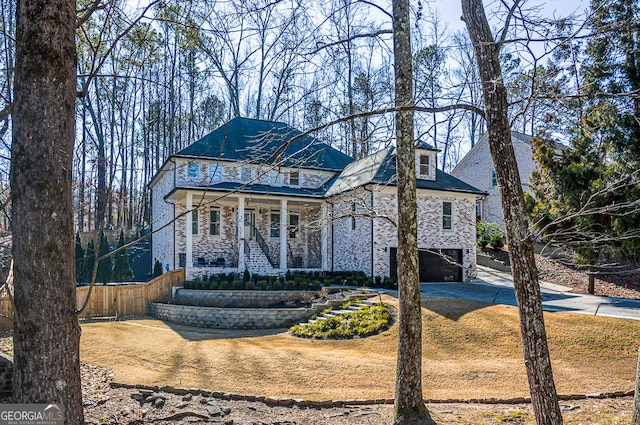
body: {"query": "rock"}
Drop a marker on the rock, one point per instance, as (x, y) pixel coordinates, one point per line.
(145, 392)
(204, 400)
(159, 403)
(285, 402)
(182, 405)
(212, 403)
(226, 410)
(228, 422)
(214, 411)
(137, 396)
(187, 397)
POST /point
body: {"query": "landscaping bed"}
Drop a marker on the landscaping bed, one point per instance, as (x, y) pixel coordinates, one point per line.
(365, 321)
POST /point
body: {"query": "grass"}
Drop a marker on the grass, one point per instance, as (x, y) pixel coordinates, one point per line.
(365, 321)
(470, 350)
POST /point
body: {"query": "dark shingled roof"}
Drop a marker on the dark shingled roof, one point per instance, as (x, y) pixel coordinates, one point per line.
(426, 146)
(383, 171)
(256, 141)
(259, 188)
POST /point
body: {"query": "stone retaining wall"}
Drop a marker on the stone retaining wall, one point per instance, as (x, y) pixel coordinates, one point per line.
(232, 318)
(6, 376)
(239, 299)
(319, 404)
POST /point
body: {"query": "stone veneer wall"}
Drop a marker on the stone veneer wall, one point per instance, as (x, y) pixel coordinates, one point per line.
(6, 376)
(236, 298)
(231, 318)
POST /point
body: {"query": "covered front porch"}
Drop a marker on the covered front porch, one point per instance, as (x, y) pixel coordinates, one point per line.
(274, 234)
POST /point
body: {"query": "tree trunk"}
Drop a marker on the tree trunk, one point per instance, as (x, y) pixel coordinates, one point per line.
(635, 420)
(46, 329)
(409, 406)
(544, 398)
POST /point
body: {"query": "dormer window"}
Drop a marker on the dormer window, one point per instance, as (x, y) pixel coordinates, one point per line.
(245, 174)
(193, 170)
(215, 172)
(425, 165)
(294, 178)
(275, 178)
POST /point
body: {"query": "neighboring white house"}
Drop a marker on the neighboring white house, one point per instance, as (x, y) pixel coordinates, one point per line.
(302, 205)
(477, 168)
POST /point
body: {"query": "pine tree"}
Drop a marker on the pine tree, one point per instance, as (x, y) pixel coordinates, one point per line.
(105, 265)
(79, 257)
(597, 176)
(121, 269)
(89, 261)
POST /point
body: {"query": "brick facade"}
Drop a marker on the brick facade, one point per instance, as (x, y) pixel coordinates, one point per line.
(476, 169)
(352, 248)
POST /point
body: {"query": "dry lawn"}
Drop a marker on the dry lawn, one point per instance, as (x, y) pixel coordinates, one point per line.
(470, 350)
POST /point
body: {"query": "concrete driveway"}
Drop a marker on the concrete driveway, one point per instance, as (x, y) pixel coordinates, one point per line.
(495, 287)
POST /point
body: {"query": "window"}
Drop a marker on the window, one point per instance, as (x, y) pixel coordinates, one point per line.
(194, 222)
(294, 220)
(494, 179)
(193, 170)
(447, 215)
(294, 178)
(274, 177)
(245, 174)
(424, 165)
(214, 222)
(215, 172)
(353, 216)
(275, 225)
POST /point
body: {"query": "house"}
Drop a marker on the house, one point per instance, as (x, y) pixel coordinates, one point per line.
(257, 195)
(477, 168)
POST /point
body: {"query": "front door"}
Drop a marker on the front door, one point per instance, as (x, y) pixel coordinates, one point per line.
(249, 224)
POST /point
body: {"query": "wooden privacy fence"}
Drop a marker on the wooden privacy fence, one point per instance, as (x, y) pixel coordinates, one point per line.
(113, 300)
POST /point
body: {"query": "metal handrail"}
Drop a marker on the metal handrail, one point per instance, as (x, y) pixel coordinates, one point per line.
(247, 249)
(265, 248)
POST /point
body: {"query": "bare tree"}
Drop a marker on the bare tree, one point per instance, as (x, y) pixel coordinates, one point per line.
(525, 274)
(409, 407)
(46, 331)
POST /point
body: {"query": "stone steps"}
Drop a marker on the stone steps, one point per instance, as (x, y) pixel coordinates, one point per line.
(335, 313)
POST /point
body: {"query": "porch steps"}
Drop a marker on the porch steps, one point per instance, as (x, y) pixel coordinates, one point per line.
(334, 313)
(257, 261)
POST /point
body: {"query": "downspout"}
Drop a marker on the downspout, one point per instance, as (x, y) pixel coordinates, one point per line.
(372, 238)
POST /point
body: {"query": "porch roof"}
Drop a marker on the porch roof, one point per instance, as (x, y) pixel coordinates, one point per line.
(243, 188)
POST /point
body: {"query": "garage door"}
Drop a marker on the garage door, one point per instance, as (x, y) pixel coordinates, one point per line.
(443, 265)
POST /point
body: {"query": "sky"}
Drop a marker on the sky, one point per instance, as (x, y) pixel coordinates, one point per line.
(451, 10)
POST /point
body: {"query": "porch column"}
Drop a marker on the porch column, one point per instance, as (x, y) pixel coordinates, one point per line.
(325, 224)
(241, 260)
(189, 231)
(283, 234)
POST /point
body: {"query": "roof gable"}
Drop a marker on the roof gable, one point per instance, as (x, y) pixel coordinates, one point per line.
(380, 168)
(258, 141)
